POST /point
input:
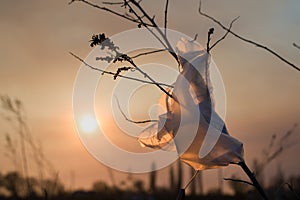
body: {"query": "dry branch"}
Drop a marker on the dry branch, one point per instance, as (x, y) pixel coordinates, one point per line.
(169, 46)
(137, 20)
(247, 40)
(108, 10)
(147, 53)
(151, 79)
(210, 32)
(166, 17)
(224, 36)
(145, 24)
(238, 180)
(113, 74)
(134, 121)
(296, 45)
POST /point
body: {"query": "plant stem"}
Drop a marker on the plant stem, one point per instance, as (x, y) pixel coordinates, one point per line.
(253, 179)
(191, 180)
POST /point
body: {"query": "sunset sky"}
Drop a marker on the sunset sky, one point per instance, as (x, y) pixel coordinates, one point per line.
(263, 93)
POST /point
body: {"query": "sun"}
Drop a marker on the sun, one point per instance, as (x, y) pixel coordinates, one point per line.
(88, 124)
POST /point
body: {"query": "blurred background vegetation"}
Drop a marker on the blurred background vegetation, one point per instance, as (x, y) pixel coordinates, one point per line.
(24, 182)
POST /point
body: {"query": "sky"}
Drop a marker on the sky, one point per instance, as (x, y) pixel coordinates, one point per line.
(36, 67)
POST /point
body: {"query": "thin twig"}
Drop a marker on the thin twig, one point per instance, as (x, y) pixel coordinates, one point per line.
(145, 24)
(296, 45)
(139, 21)
(224, 36)
(119, 75)
(166, 17)
(238, 180)
(151, 79)
(210, 32)
(195, 37)
(113, 3)
(170, 48)
(134, 121)
(120, 57)
(120, 69)
(191, 180)
(149, 52)
(247, 40)
(108, 10)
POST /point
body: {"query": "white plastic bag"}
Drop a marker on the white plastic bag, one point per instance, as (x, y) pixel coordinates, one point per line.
(189, 123)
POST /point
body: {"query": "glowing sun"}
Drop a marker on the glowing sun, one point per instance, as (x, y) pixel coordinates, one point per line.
(88, 124)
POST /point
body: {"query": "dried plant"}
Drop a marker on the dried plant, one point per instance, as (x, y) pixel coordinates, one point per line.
(135, 13)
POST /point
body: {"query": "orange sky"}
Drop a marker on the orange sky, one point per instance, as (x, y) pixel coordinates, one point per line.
(262, 92)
